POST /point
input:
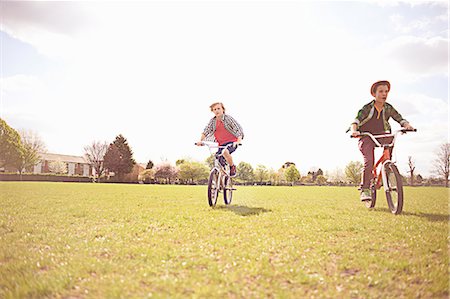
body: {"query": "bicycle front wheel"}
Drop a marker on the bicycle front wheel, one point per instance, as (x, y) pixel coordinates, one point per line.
(213, 187)
(393, 188)
(228, 190)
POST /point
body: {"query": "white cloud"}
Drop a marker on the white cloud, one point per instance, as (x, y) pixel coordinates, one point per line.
(52, 16)
(51, 27)
(402, 28)
(425, 56)
(423, 26)
(19, 83)
(412, 3)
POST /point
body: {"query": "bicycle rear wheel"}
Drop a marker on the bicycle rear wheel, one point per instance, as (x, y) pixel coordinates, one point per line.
(228, 190)
(394, 188)
(213, 187)
(373, 192)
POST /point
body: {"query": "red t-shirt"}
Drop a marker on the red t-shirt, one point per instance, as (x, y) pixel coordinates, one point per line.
(223, 135)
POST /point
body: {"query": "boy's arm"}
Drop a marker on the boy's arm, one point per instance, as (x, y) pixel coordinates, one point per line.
(354, 130)
(209, 129)
(201, 139)
(235, 127)
(359, 117)
(362, 113)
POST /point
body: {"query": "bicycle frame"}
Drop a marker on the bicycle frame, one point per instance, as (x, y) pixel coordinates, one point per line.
(219, 177)
(386, 157)
(223, 171)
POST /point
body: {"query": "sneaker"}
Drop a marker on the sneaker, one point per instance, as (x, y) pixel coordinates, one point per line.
(365, 195)
(233, 171)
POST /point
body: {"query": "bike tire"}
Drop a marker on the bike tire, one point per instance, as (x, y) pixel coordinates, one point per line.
(370, 204)
(227, 190)
(213, 187)
(394, 188)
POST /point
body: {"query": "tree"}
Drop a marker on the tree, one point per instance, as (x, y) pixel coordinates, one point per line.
(287, 164)
(119, 157)
(11, 148)
(147, 175)
(166, 171)
(419, 179)
(261, 173)
(292, 174)
(314, 172)
(95, 154)
(307, 179)
(32, 146)
(58, 167)
(280, 178)
(179, 162)
(149, 164)
(336, 176)
(353, 171)
(245, 172)
(442, 162)
(321, 180)
(274, 176)
(412, 167)
(191, 171)
(319, 172)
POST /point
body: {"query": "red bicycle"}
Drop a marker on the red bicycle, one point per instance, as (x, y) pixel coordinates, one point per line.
(388, 175)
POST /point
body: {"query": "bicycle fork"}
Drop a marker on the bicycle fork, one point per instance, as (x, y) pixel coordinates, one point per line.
(379, 178)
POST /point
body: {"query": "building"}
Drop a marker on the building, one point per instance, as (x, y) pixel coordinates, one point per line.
(74, 165)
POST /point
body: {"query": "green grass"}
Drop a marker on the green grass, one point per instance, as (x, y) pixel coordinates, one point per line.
(71, 240)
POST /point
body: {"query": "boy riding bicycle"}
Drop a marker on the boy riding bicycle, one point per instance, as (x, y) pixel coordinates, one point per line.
(226, 131)
(374, 118)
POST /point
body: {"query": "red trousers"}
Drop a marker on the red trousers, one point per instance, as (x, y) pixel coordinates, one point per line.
(367, 148)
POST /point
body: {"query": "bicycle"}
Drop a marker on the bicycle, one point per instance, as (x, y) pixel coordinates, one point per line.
(219, 177)
(389, 176)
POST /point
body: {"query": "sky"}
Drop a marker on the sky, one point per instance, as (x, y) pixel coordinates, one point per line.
(292, 73)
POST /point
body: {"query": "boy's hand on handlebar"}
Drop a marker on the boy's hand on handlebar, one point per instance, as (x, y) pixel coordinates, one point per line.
(356, 133)
(199, 143)
(407, 126)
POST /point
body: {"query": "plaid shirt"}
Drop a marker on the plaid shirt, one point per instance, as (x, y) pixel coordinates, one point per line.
(230, 124)
(367, 111)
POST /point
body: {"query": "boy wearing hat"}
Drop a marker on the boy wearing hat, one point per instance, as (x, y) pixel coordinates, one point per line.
(374, 118)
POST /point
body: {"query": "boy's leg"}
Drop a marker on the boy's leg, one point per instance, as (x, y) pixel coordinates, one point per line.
(366, 146)
(227, 156)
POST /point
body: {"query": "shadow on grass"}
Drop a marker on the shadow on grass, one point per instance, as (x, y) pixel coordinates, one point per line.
(244, 210)
(428, 216)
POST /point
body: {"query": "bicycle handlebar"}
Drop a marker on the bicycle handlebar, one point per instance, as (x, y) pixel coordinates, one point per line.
(374, 137)
(214, 144)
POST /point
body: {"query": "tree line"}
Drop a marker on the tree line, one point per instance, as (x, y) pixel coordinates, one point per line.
(20, 150)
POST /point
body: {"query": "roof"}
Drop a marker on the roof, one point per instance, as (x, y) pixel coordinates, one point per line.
(63, 158)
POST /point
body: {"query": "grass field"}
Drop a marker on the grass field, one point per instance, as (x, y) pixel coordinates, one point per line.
(70, 240)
